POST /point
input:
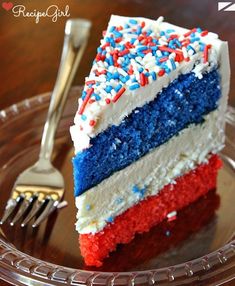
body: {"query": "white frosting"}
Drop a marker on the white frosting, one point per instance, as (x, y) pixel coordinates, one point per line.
(113, 114)
(179, 155)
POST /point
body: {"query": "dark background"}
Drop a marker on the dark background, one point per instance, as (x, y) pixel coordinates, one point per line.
(30, 53)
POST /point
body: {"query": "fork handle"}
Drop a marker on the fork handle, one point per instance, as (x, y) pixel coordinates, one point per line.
(76, 36)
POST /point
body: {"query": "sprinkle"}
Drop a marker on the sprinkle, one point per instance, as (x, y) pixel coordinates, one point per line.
(108, 88)
(101, 72)
(84, 103)
(159, 20)
(112, 29)
(130, 71)
(134, 86)
(135, 189)
(163, 59)
(90, 82)
(138, 191)
(110, 219)
(146, 79)
(205, 54)
(190, 32)
(117, 34)
(178, 43)
(173, 64)
(172, 37)
(84, 94)
(122, 72)
(142, 24)
(192, 35)
(105, 46)
(107, 100)
(161, 72)
(169, 31)
(204, 33)
(133, 21)
(166, 49)
(140, 54)
(185, 53)
(140, 49)
(115, 75)
(189, 47)
(153, 74)
(158, 53)
(124, 52)
(83, 117)
(100, 57)
(142, 79)
(194, 40)
(92, 122)
(172, 216)
(118, 40)
(185, 42)
(119, 94)
(119, 86)
(124, 79)
(97, 97)
(179, 57)
(109, 61)
(148, 51)
(202, 46)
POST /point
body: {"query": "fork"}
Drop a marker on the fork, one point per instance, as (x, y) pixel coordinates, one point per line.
(39, 189)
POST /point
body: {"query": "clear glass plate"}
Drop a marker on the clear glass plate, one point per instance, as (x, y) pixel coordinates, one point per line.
(198, 248)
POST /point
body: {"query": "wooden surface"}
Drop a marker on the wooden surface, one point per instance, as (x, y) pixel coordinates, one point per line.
(30, 53)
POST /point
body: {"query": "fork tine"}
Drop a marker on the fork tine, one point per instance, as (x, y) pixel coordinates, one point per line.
(23, 208)
(10, 207)
(35, 209)
(50, 207)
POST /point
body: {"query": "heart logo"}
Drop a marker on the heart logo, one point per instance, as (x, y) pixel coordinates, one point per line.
(7, 6)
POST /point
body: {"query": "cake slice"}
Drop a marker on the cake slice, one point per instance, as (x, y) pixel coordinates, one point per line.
(148, 127)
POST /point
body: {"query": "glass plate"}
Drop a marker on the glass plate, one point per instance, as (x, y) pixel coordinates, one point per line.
(196, 248)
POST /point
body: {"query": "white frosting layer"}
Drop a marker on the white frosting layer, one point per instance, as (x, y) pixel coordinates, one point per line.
(112, 114)
(158, 168)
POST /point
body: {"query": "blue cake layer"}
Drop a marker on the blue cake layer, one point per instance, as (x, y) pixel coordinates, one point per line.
(183, 102)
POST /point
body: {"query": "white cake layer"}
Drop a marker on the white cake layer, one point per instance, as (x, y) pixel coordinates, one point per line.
(158, 168)
(113, 114)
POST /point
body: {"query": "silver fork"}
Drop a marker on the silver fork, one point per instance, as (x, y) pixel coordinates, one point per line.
(39, 189)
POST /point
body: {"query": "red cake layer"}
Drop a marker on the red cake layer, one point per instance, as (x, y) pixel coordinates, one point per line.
(164, 236)
(149, 212)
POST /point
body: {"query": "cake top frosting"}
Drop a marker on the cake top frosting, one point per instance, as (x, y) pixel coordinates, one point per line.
(134, 53)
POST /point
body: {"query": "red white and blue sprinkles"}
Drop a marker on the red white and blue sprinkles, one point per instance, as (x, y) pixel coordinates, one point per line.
(133, 55)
